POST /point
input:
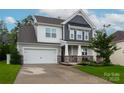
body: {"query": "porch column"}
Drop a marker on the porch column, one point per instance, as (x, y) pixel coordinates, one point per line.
(66, 57)
(79, 50)
(94, 55)
(66, 49)
(79, 57)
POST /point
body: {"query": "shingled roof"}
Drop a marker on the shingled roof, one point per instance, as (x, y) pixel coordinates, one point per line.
(118, 36)
(26, 34)
(42, 19)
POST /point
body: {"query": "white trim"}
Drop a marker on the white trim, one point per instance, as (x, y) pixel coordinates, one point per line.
(81, 13)
(79, 50)
(47, 24)
(86, 34)
(66, 50)
(63, 30)
(51, 32)
(42, 43)
(78, 32)
(39, 48)
(78, 27)
(70, 33)
(35, 20)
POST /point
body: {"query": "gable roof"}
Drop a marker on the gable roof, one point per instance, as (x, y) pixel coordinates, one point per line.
(118, 36)
(84, 15)
(49, 20)
(26, 34)
(79, 20)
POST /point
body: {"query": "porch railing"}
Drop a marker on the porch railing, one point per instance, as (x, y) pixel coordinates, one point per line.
(74, 58)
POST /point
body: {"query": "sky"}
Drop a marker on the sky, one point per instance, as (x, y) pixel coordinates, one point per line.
(98, 16)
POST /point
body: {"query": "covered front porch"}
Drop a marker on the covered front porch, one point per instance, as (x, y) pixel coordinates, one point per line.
(75, 54)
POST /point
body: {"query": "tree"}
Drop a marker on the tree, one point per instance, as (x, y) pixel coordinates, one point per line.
(3, 33)
(103, 45)
(4, 46)
(26, 21)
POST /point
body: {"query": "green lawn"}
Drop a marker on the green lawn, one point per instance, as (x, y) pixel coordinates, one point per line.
(113, 73)
(8, 72)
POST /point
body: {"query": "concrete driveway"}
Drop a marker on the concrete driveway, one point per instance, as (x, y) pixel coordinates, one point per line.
(54, 74)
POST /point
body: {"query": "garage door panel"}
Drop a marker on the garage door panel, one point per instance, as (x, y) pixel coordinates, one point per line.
(40, 56)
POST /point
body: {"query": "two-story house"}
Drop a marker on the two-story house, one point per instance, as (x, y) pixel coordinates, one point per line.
(53, 40)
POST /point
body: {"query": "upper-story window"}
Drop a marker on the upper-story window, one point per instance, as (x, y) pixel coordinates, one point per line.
(48, 32)
(79, 35)
(71, 34)
(51, 33)
(86, 35)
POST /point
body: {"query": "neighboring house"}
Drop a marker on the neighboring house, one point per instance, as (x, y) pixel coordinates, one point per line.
(118, 56)
(52, 40)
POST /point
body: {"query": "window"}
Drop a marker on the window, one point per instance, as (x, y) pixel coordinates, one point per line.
(86, 35)
(47, 32)
(84, 51)
(79, 35)
(51, 33)
(71, 34)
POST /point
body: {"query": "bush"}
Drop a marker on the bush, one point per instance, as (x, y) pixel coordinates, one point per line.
(16, 58)
(4, 49)
(94, 63)
(90, 63)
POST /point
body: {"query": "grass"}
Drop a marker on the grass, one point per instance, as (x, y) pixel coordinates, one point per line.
(113, 73)
(8, 72)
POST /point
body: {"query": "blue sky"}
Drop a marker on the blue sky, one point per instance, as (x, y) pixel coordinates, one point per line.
(98, 16)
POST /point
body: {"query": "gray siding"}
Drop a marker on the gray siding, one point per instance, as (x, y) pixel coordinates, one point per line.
(79, 21)
(27, 34)
(76, 21)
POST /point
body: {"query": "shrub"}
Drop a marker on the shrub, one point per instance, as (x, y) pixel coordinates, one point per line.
(16, 58)
(90, 63)
(4, 49)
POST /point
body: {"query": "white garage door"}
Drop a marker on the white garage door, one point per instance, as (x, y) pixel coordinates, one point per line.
(40, 56)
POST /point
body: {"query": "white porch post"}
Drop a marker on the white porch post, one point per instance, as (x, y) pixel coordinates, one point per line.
(79, 50)
(94, 55)
(8, 58)
(66, 49)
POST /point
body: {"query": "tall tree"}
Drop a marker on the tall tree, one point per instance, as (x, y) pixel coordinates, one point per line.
(103, 45)
(3, 33)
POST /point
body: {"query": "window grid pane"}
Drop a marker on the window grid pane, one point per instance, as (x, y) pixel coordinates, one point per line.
(53, 33)
(79, 35)
(48, 32)
(71, 34)
(86, 35)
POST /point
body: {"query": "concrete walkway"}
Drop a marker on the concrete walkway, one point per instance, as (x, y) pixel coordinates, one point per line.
(55, 74)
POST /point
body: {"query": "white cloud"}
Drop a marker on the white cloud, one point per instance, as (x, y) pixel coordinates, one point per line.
(63, 13)
(10, 20)
(116, 20)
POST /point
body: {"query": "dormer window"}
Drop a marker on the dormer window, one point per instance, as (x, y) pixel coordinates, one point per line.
(50, 33)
